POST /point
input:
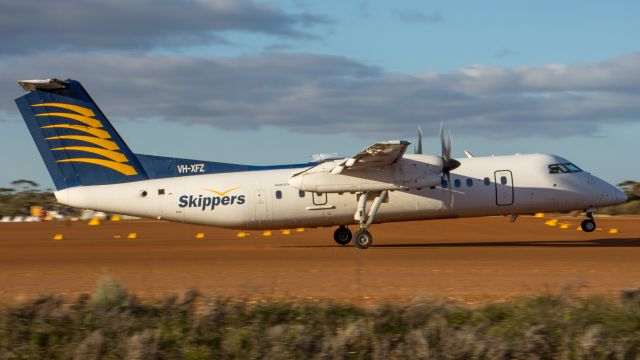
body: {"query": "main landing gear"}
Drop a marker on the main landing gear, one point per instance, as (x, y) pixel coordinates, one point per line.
(342, 235)
(362, 238)
(588, 225)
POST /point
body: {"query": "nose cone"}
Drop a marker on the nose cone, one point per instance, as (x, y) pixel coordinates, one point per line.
(621, 197)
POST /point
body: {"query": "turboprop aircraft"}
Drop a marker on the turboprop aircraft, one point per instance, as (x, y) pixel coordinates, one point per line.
(92, 167)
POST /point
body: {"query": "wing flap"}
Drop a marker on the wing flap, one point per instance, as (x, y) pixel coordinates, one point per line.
(377, 155)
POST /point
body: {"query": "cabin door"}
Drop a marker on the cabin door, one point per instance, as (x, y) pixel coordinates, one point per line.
(504, 187)
(260, 205)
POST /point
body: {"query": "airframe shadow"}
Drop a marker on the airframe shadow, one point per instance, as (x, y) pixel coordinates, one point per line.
(604, 243)
(597, 243)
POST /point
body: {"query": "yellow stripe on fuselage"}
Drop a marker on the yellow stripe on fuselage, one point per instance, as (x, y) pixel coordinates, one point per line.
(119, 167)
(113, 155)
(81, 118)
(79, 109)
(89, 130)
(107, 144)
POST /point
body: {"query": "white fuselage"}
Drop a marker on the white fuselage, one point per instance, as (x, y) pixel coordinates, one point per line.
(481, 186)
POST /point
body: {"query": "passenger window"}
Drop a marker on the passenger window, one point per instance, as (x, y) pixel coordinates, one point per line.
(444, 184)
(487, 182)
(301, 193)
(503, 180)
(457, 183)
(278, 194)
(469, 182)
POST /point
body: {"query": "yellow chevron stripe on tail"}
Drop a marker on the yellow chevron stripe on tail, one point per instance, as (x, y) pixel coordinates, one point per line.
(86, 129)
(113, 155)
(107, 144)
(81, 118)
(78, 109)
(119, 167)
(77, 142)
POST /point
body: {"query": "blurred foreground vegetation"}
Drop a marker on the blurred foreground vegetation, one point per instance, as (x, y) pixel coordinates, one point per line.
(114, 324)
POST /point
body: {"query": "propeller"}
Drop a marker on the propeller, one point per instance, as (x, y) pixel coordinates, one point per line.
(418, 149)
(448, 163)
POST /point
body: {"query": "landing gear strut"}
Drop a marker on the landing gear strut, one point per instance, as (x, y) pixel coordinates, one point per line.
(342, 235)
(363, 238)
(588, 225)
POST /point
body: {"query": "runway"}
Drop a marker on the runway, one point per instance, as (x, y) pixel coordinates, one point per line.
(468, 260)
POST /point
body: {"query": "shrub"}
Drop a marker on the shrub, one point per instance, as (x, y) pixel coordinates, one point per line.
(112, 323)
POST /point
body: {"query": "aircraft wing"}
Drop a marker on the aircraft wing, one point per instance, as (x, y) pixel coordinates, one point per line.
(377, 155)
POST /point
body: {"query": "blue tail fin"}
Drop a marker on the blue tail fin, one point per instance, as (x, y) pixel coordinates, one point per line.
(78, 144)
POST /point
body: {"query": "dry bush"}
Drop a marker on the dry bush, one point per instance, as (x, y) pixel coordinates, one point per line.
(113, 324)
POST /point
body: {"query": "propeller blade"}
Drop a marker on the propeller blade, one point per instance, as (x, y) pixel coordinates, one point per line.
(449, 146)
(448, 163)
(450, 192)
(418, 149)
(445, 144)
(443, 147)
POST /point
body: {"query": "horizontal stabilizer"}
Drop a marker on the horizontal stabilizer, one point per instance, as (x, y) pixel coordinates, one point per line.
(47, 84)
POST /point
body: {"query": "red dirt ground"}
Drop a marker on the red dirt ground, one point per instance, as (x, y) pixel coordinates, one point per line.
(468, 260)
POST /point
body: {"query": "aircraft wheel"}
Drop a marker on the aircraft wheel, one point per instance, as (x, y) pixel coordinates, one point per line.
(363, 239)
(342, 235)
(588, 225)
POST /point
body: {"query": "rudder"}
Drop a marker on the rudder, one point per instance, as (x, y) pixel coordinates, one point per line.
(75, 139)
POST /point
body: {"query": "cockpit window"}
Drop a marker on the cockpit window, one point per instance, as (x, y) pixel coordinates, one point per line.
(572, 167)
(557, 168)
(563, 168)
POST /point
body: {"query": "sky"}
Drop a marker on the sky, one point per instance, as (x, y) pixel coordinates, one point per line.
(273, 82)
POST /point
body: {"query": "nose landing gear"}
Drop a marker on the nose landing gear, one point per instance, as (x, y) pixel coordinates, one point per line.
(588, 225)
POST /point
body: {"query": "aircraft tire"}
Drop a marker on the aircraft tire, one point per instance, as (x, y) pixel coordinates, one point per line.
(588, 225)
(342, 235)
(363, 239)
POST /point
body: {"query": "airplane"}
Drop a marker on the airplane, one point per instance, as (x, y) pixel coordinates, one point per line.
(93, 168)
